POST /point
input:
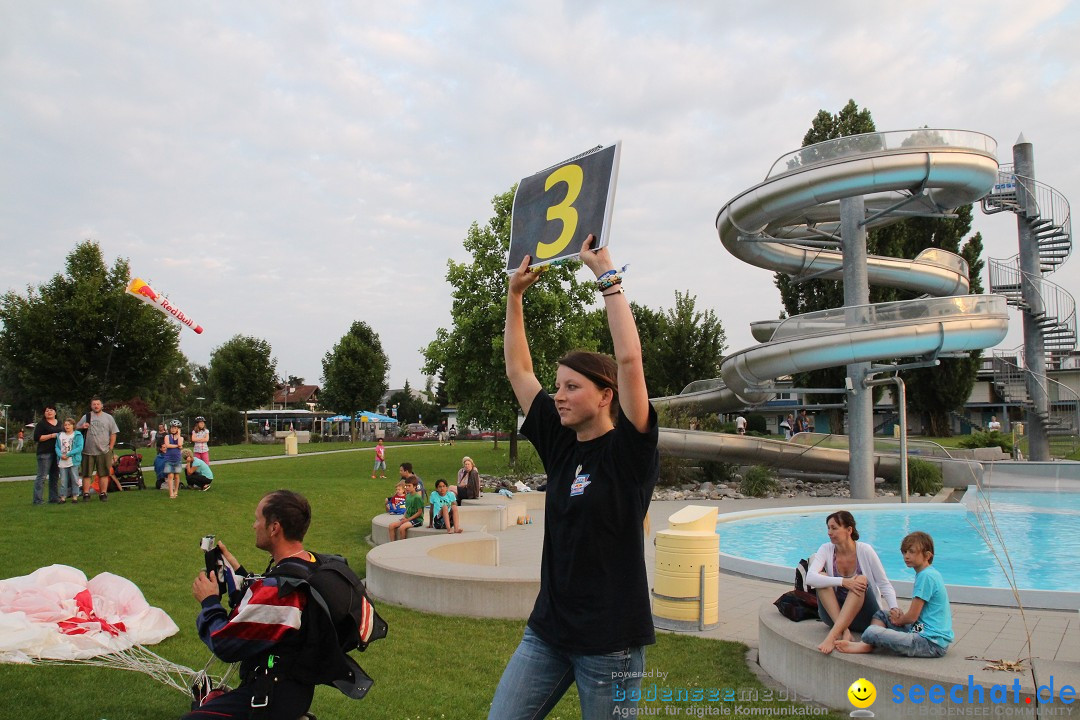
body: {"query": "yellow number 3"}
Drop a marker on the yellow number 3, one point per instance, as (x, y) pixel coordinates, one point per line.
(564, 211)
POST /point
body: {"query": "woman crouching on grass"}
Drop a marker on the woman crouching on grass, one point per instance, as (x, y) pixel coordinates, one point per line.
(597, 439)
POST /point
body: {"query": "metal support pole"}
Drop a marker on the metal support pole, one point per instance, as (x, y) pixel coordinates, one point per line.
(701, 597)
(860, 417)
(1030, 280)
(901, 401)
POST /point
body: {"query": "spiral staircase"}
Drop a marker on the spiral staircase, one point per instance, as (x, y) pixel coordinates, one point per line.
(1046, 212)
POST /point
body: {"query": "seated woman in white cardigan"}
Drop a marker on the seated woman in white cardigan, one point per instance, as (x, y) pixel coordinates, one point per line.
(848, 578)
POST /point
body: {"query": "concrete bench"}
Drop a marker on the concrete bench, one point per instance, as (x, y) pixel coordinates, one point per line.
(380, 527)
(451, 575)
(788, 652)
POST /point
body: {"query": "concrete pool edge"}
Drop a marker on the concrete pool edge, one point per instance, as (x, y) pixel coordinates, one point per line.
(967, 594)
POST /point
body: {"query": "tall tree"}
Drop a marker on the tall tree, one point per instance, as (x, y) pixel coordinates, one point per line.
(81, 334)
(354, 373)
(415, 406)
(469, 356)
(242, 374)
(678, 346)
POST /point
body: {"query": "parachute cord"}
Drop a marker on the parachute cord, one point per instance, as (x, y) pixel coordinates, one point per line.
(139, 659)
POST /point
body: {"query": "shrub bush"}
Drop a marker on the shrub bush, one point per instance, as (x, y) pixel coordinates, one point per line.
(673, 470)
(758, 481)
(718, 472)
(923, 477)
(226, 424)
(756, 423)
(981, 439)
(126, 422)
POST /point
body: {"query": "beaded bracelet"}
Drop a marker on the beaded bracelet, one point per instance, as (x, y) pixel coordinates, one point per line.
(610, 279)
(608, 282)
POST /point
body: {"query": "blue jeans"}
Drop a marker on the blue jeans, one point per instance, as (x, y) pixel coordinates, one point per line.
(901, 639)
(69, 480)
(46, 468)
(538, 675)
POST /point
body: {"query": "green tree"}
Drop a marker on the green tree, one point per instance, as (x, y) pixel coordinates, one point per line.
(678, 346)
(415, 407)
(81, 334)
(689, 347)
(354, 373)
(469, 356)
(242, 374)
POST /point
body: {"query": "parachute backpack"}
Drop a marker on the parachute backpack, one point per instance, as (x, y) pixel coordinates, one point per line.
(341, 618)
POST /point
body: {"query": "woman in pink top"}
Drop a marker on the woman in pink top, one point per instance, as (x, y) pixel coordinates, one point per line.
(200, 440)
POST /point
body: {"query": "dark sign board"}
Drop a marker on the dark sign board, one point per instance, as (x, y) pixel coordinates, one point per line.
(556, 209)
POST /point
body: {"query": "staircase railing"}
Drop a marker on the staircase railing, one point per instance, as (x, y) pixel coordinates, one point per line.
(1053, 308)
(1043, 206)
(1062, 421)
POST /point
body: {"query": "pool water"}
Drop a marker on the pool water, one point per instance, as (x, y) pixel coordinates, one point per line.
(1041, 532)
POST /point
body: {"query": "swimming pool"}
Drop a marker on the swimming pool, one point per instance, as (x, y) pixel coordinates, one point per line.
(1041, 531)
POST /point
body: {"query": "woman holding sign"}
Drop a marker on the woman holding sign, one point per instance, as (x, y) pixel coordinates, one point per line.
(597, 439)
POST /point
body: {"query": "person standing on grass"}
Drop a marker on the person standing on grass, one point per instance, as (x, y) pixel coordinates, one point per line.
(174, 441)
(200, 440)
(98, 447)
(380, 460)
(45, 433)
(597, 438)
(69, 447)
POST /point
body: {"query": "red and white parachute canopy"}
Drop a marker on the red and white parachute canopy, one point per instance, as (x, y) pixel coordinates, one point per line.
(55, 613)
(148, 295)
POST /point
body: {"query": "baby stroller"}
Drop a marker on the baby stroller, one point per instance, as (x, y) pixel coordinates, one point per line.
(128, 468)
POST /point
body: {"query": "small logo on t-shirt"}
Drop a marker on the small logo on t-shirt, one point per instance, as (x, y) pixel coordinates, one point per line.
(580, 483)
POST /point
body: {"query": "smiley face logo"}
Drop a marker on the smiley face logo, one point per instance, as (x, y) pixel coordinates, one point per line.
(862, 693)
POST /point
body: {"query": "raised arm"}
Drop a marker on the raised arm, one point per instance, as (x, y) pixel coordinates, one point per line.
(633, 394)
(519, 367)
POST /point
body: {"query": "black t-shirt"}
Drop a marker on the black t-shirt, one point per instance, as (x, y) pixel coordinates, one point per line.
(594, 594)
(46, 447)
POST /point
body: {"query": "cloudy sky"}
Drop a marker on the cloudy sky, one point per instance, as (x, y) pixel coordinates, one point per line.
(281, 169)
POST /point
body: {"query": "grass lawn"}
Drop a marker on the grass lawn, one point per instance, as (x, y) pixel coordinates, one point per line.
(25, 463)
(450, 666)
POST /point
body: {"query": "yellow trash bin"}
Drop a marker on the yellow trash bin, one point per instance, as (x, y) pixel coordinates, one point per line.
(686, 583)
(290, 445)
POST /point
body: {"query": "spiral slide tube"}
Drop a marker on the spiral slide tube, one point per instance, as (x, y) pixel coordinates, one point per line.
(779, 225)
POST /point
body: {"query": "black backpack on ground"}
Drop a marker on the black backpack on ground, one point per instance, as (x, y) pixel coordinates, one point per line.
(798, 604)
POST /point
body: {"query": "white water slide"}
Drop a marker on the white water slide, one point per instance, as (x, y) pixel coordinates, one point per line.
(789, 223)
